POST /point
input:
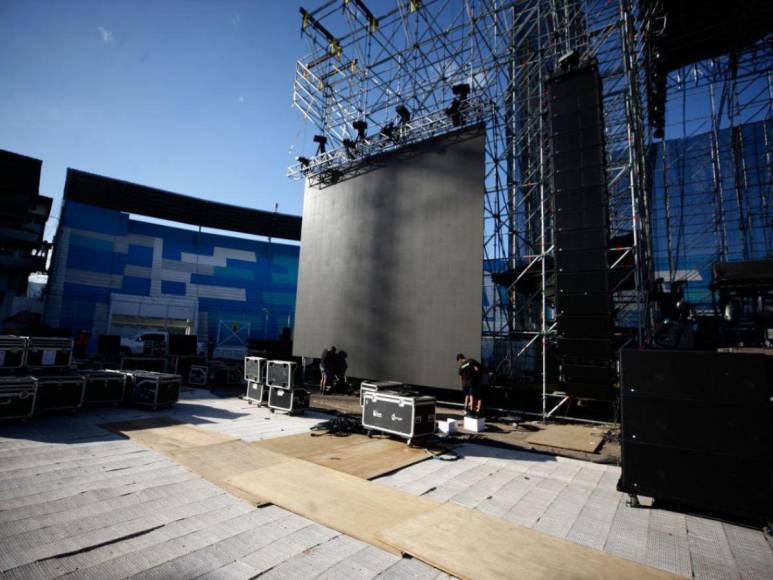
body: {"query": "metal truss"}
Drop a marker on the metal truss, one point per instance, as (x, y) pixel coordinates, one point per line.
(369, 58)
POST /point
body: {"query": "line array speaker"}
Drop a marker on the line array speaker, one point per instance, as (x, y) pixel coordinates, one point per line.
(581, 226)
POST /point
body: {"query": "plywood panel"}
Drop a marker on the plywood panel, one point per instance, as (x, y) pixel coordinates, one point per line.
(371, 458)
(163, 434)
(216, 463)
(338, 500)
(304, 444)
(354, 454)
(469, 544)
(574, 437)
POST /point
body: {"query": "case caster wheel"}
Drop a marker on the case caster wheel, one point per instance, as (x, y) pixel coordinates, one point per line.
(370, 434)
(409, 442)
(272, 411)
(633, 500)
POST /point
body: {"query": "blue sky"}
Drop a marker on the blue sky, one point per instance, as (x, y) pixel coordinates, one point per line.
(189, 96)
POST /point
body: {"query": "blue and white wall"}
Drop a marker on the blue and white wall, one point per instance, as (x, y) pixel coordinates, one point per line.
(104, 262)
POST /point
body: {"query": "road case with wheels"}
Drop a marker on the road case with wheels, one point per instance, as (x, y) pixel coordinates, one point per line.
(255, 369)
(17, 397)
(408, 416)
(149, 389)
(103, 387)
(13, 353)
(49, 352)
(59, 392)
(280, 373)
(290, 401)
(257, 392)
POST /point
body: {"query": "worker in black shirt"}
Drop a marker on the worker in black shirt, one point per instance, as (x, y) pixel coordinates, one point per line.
(327, 364)
(470, 373)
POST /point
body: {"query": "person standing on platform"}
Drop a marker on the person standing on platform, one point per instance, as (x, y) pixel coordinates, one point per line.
(341, 367)
(327, 364)
(470, 373)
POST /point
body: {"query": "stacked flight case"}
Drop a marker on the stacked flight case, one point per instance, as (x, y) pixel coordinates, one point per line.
(375, 386)
(13, 353)
(283, 393)
(46, 353)
(404, 414)
(17, 397)
(255, 375)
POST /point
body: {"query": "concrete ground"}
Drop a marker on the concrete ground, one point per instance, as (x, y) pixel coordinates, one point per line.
(78, 501)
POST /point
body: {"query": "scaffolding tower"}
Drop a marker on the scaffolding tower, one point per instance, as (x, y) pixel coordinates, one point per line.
(380, 75)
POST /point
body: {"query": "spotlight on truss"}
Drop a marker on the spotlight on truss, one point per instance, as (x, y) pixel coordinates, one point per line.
(350, 147)
(404, 113)
(389, 132)
(361, 127)
(321, 141)
(461, 90)
(454, 112)
(304, 161)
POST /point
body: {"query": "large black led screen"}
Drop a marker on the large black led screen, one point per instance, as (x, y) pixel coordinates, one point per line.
(391, 263)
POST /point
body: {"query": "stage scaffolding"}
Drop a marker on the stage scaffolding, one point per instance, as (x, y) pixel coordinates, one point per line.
(367, 59)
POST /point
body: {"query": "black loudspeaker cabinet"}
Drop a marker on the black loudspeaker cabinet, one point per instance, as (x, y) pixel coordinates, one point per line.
(59, 392)
(108, 345)
(696, 430)
(374, 386)
(598, 326)
(103, 387)
(288, 400)
(46, 352)
(13, 350)
(17, 397)
(183, 345)
(256, 392)
(586, 348)
(154, 390)
(404, 415)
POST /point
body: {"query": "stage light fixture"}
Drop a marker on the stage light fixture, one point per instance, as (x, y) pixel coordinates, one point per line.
(454, 113)
(403, 113)
(361, 127)
(304, 161)
(461, 90)
(388, 131)
(321, 141)
(350, 147)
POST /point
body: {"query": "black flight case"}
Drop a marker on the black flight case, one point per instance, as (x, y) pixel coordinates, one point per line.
(103, 387)
(45, 352)
(13, 353)
(397, 413)
(283, 395)
(59, 392)
(17, 397)
(151, 389)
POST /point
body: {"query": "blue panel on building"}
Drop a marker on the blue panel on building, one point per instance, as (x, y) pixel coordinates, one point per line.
(173, 288)
(140, 256)
(94, 219)
(136, 286)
